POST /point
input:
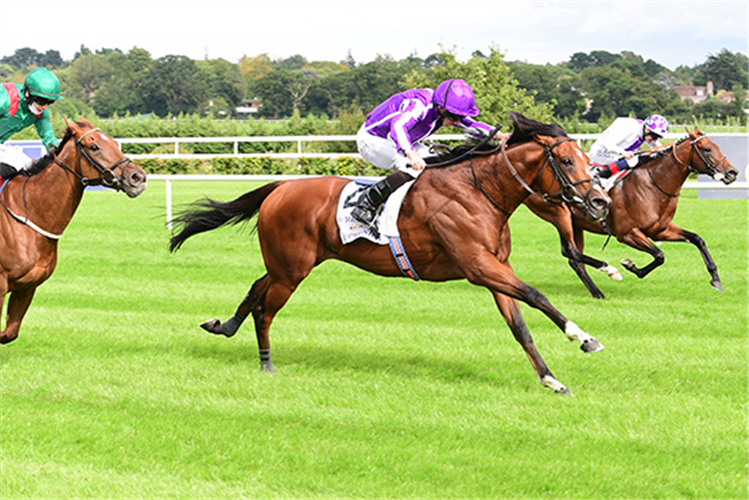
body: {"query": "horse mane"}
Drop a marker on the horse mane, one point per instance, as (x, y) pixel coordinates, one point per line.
(524, 129)
(45, 161)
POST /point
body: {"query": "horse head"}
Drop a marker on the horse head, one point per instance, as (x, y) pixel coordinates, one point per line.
(97, 159)
(568, 177)
(705, 157)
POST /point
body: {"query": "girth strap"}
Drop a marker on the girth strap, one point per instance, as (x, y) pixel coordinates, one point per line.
(399, 254)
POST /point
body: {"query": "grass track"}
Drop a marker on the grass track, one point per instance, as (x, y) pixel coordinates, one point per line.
(386, 388)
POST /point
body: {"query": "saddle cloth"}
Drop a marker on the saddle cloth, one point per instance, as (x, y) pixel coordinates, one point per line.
(387, 220)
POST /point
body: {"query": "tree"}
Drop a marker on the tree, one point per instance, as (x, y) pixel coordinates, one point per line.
(224, 79)
(726, 69)
(496, 90)
(87, 74)
(174, 85)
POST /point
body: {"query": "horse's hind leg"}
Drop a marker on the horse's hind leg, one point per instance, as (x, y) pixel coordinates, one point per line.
(18, 304)
(511, 312)
(253, 302)
(675, 233)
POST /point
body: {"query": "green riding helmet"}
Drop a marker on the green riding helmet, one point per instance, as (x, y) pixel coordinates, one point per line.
(43, 83)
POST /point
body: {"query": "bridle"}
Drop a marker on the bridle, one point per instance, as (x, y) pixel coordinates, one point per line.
(566, 193)
(712, 169)
(108, 177)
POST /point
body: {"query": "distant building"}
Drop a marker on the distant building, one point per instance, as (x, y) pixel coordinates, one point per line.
(249, 106)
(695, 93)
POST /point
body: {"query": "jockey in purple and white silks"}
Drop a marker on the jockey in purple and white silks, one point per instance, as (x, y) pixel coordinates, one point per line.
(390, 137)
(618, 143)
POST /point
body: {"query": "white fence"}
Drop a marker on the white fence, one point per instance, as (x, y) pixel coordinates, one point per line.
(34, 148)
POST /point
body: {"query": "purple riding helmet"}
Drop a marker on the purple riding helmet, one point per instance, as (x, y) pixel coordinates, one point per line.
(456, 96)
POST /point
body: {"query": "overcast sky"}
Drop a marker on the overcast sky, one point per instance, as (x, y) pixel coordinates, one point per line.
(672, 33)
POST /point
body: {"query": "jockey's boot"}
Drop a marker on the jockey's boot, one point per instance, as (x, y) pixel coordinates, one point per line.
(602, 173)
(371, 200)
(7, 172)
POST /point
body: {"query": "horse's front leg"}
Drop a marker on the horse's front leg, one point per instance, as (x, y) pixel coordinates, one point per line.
(637, 239)
(514, 318)
(675, 233)
(499, 277)
(18, 304)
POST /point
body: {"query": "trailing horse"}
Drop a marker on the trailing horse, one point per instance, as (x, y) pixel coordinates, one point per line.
(453, 224)
(37, 206)
(643, 207)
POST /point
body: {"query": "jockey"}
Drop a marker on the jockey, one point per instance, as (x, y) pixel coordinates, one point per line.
(390, 137)
(20, 107)
(614, 150)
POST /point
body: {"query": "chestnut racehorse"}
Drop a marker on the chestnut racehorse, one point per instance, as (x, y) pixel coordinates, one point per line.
(643, 207)
(453, 225)
(37, 206)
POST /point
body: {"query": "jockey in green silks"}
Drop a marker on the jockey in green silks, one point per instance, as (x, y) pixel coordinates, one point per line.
(22, 106)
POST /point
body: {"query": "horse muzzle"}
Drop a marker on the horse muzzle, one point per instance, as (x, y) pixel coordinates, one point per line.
(133, 180)
(597, 204)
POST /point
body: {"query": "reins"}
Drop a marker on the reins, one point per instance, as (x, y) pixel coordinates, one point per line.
(566, 186)
(712, 168)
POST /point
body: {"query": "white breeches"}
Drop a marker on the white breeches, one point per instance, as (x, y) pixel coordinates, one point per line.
(15, 157)
(383, 153)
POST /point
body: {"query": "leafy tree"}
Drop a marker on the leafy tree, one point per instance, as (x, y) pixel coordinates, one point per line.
(87, 74)
(495, 88)
(225, 81)
(174, 85)
(725, 69)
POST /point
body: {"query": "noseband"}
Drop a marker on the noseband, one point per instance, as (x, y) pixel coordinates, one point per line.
(108, 177)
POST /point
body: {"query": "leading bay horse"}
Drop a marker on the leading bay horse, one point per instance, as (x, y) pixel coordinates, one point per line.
(642, 210)
(37, 206)
(453, 225)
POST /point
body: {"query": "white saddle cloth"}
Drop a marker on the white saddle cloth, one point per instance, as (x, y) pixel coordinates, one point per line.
(387, 220)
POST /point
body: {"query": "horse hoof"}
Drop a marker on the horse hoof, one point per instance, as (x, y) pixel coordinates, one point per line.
(614, 274)
(267, 368)
(564, 391)
(212, 326)
(591, 345)
(717, 285)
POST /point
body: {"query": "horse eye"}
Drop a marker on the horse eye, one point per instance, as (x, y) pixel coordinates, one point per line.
(567, 161)
(94, 147)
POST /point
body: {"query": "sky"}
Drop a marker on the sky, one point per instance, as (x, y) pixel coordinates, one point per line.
(672, 33)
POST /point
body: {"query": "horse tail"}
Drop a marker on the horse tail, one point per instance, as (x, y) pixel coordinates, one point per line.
(209, 214)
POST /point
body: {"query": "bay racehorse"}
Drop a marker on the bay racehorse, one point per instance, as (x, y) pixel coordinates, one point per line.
(37, 206)
(643, 207)
(453, 225)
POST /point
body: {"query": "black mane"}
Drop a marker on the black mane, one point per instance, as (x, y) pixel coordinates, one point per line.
(45, 161)
(524, 129)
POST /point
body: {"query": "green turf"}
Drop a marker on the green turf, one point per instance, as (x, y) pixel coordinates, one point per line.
(386, 388)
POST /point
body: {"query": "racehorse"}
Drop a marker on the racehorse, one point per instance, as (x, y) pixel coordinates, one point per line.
(643, 207)
(453, 225)
(36, 207)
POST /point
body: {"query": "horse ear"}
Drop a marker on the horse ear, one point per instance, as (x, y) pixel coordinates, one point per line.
(86, 122)
(693, 135)
(72, 126)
